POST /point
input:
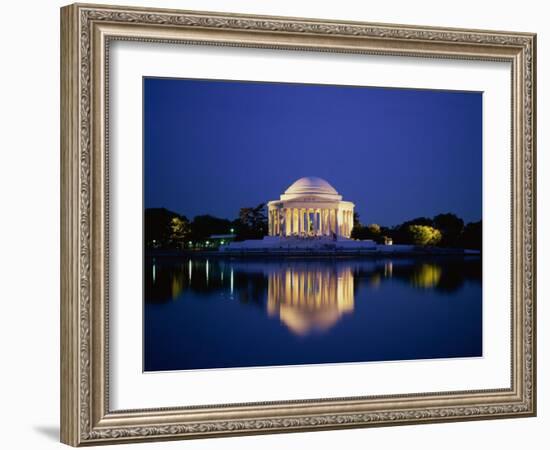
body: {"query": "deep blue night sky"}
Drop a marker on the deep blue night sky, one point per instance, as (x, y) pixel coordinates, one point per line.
(212, 147)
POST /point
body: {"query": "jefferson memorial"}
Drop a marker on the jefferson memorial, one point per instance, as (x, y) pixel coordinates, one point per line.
(310, 207)
(310, 216)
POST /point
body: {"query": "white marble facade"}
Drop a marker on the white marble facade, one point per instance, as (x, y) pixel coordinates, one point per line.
(310, 207)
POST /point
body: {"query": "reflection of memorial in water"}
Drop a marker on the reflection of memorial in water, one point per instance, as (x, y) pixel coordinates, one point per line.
(310, 299)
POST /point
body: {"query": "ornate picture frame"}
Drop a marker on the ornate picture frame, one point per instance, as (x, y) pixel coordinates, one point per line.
(86, 34)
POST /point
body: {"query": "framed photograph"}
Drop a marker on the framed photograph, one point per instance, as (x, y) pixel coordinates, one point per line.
(275, 224)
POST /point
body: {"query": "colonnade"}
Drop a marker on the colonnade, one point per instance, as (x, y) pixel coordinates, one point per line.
(310, 222)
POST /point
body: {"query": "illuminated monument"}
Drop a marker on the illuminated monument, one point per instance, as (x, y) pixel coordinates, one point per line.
(310, 216)
(310, 207)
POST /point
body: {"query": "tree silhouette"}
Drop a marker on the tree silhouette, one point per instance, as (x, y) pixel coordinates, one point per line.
(471, 237)
(451, 227)
(205, 226)
(252, 222)
(157, 223)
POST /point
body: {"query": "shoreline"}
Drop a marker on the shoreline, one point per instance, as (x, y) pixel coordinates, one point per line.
(313, 253)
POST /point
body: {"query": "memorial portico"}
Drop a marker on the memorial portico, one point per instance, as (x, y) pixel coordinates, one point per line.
(310, 207)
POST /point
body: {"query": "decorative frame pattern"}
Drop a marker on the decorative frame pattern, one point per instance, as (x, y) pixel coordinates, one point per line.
(86, 31)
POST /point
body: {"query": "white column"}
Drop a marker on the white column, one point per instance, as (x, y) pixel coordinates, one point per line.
(315, 222)
(290, 221)
(346, 221)
(344, 224)
(308, 220)
(289, 218)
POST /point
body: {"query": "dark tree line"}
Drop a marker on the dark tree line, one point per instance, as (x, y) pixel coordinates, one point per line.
(252, 223)
(442, 230)
(165, 229)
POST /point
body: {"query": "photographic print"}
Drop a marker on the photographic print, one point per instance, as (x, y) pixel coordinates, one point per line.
(308, 201)
(290, 224)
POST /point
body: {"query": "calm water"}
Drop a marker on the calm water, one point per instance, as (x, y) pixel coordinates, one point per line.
(214, 313)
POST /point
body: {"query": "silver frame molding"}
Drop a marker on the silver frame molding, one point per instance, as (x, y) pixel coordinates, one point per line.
(86, 32)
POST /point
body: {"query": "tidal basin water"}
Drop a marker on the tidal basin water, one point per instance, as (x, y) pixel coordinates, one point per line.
(204, 313)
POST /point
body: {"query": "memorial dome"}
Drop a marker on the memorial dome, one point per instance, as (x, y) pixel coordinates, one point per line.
(311, 185)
